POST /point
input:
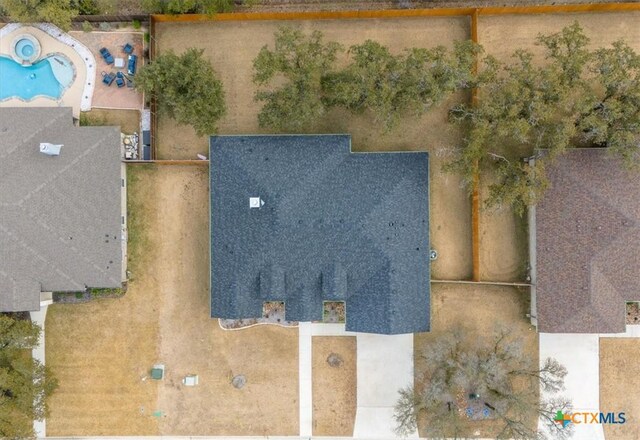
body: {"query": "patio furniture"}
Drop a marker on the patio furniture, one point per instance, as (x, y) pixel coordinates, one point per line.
(120, 79)
(190, 381)
(118, 63)
(108, 78)
(157, 372)
(131, 66)
(106, 55)
(127, 48)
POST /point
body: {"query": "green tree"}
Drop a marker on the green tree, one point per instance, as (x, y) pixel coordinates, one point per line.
(58, 12)
(524, 107)
(25, 384)
(612, 114)
(391, 86)
(186, 88)
(492, 375)
(187, 6)
(297, 64)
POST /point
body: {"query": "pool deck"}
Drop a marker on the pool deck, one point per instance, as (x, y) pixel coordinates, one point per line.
(112, 97)
(52, 40)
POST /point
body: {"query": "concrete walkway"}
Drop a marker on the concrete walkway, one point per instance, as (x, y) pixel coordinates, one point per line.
(40, 427)
(305, 377)
(385, 364)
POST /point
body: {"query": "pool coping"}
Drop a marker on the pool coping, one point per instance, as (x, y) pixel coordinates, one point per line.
(81, 49)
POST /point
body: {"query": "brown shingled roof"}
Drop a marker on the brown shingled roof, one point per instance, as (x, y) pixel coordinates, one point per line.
(588, 244)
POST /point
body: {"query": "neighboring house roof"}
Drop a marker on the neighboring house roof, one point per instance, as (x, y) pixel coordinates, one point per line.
(335, 225)
(60, 216)
(588, 244)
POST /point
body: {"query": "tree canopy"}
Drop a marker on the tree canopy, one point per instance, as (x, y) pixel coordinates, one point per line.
(466, 376)
(389, 86)
(393, 86)
(25, 383)
(298, 62)
(574, 97)
(186, 88)
(58, 12)
(187, 6)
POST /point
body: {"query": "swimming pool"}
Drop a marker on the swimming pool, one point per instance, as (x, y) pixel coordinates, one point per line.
(49, 77)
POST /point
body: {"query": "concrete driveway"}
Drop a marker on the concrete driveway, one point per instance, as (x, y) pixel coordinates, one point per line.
(385, 364)
(580, 354)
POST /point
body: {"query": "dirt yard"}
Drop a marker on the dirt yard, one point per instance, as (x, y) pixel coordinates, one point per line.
(479, 310)
(102, 351)
(334, 387)
(619, 385)
(232, 46)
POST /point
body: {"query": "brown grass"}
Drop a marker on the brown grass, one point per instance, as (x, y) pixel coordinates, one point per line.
(127, 120)
(619, 383)
(477, 309)
(334, 388)
(101, 351)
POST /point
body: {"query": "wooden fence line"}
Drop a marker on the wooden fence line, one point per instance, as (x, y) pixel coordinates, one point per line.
(401, 13)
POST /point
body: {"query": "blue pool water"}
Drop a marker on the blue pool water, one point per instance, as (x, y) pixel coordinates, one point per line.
(27, 82)
(25, 49)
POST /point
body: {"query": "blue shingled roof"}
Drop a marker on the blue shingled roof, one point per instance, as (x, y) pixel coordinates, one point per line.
(335, 225)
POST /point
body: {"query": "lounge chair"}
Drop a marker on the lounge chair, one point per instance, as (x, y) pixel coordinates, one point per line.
(108, 78)
(128, 49)
(119, 79)
(131, 65)
(106, 55)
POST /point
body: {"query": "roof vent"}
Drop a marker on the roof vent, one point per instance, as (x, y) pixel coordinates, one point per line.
(256, 202)
(50, 149)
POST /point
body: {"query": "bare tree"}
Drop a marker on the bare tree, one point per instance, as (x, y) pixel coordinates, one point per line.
(468, 378)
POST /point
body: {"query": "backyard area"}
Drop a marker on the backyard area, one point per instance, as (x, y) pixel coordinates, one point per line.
(231, 48)
(102, 351)
(619, 382)
(334, 385)
(477, 309)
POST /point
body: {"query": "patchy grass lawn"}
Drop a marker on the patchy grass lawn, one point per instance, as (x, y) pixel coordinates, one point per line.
(619, 384)
(127, 120)
(102, 351)
(334, 387)
(478, 309)
(231, 48)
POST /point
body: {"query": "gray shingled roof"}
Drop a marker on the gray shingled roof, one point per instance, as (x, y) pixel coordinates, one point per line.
(335, 225)
(60, 217)
(588, 244)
